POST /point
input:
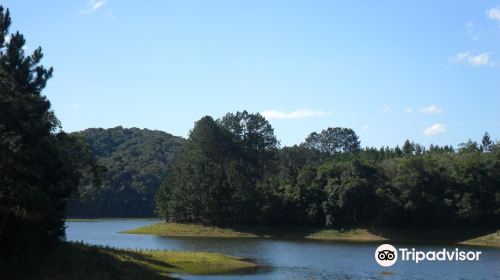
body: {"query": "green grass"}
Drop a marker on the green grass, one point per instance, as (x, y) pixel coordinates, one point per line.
(175, 229)
(199, 263)
(470, 236)
(76, 261)
(104, 219)
(492, 239)
(348, 235)
(81, 220)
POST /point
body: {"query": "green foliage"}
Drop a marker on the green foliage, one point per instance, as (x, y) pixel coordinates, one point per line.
(134, 163)
(215, 177)
(40, 165)
(333, 141)
(226, 174)
(486, 143)
(351, 198)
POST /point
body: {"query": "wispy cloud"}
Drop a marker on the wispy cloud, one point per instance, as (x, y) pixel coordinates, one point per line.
(432, 109)
(365, 127)
(470, 30)
(93, 5)
(297, 114)
(408, 110)
(494, 14)
(435, 129)
(481, 59)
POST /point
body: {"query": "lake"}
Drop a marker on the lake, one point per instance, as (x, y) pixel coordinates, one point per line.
(293, 258)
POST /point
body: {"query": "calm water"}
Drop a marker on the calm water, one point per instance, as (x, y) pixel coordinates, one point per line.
(292, 259)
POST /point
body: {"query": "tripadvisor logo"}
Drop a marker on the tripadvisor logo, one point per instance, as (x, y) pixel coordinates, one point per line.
(387, 255)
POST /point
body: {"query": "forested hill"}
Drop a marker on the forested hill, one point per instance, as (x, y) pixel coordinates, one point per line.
(135, 162)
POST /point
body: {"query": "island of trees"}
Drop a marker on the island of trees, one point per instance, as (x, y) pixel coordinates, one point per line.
(232, 172)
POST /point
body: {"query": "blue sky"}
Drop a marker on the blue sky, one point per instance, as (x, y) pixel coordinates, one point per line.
(428, 71)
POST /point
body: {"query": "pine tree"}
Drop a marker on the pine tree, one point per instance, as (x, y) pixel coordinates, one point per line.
(40, 165)
(486, 143)
(408, 147)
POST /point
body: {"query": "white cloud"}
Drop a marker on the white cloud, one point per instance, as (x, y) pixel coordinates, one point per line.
(470, 30)
(494, 14)
(480, 59)
(93, 5)
(433, 109)
(435, 129)
(365, 127)
(462, 56)
(297, 114)
(408, 110)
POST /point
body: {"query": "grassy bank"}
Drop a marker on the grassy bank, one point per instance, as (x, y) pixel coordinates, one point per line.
(194, 230)
(492, 239)
(179, 230)
(486, 237)
(80, 261)
(175, 229)
(105, 219)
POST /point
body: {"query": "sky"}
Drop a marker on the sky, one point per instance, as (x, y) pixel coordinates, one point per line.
(428, 71)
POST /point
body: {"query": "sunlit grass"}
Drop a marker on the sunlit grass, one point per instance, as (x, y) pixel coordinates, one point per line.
(351, 234)
(175, 229)
(78, 261)
(435, 235)
(186, 262)
(492, 239)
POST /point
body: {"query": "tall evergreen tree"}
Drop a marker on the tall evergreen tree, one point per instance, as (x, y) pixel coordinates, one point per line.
(486, 143)
(197, 190)
(408, 147)
(40, 165)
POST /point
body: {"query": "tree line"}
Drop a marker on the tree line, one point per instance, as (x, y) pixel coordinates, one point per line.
(231, 171)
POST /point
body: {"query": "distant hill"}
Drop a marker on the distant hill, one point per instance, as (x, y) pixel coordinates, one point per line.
(136, 162)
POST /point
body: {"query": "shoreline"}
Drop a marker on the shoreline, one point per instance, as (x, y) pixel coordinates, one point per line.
(103, 263)
(456, 236)
(107, 219)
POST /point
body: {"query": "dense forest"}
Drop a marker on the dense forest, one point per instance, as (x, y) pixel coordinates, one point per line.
(133, 162)
(232, 172)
